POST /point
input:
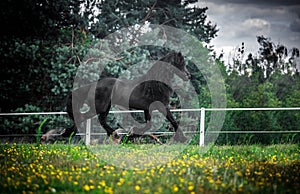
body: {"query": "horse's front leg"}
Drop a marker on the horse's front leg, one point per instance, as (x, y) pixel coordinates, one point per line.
(179, 136)
(102, 119)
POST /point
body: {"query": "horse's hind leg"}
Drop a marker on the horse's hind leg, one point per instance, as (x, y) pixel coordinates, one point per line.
(179, 136)
(140, 131)
(102, 119)
(70, 131)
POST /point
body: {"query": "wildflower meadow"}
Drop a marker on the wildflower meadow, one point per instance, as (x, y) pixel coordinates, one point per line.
(56, 168)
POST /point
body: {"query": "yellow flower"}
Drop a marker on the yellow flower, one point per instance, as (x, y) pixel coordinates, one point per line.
(258, 173)
(137, 187)
(175, 188)
(121, 181)
(239, 173)
(86, 188)
(52, 190)
(102, 183)
(108, 190)
(191, 187)
(181, 179)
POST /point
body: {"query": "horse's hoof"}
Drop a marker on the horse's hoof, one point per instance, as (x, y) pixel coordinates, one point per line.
(132, 131)
(111, 140)
(68, 132)
(179, 138)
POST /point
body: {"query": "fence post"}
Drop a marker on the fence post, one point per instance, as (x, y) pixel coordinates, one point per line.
(88, 132)
(202, 125)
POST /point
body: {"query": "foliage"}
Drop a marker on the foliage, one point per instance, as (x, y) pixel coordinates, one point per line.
(272, 58)
(42, 43)
(39, 19)
(41, 59)
(40, 40)
(39, 130)
(270, 79)
(29, 124)
(114, 15)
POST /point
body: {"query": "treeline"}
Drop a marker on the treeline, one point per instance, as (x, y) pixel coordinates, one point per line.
(271, 79)
(44, 42)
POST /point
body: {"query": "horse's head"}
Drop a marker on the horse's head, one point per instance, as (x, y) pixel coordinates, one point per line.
(177, 60)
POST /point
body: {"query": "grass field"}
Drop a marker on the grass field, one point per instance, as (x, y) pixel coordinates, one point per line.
(56, 168)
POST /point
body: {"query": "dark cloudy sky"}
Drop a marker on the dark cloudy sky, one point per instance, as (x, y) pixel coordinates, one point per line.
(242, 20)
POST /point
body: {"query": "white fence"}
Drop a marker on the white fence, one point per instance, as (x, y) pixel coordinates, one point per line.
(202, 120)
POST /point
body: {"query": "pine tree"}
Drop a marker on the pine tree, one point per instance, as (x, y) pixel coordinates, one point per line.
(115, 14)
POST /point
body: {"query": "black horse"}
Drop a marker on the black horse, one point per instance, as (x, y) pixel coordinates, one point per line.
(149, 92)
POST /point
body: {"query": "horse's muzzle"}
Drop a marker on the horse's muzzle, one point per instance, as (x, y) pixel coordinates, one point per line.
(184, 75)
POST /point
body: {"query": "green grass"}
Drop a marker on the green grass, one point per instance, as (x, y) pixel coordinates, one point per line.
(39, 131)
(29, 168)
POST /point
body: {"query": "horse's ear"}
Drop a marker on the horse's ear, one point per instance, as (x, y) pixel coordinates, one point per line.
(179, 54)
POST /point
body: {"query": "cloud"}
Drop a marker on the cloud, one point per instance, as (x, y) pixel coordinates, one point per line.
(243, 20)
(295, 25)
(259, 2)
(255, 26)
(295, 9)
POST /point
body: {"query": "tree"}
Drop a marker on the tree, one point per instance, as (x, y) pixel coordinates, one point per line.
(38, 44)
(39, 19)
(115, 14)
(272, 57)
(42, 39)
(43, 42)
(276, 57)
(267, 80)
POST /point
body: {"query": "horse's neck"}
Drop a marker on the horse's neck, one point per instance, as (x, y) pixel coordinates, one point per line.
(160, 72)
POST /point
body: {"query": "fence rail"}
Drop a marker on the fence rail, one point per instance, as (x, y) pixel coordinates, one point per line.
(202, 111)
